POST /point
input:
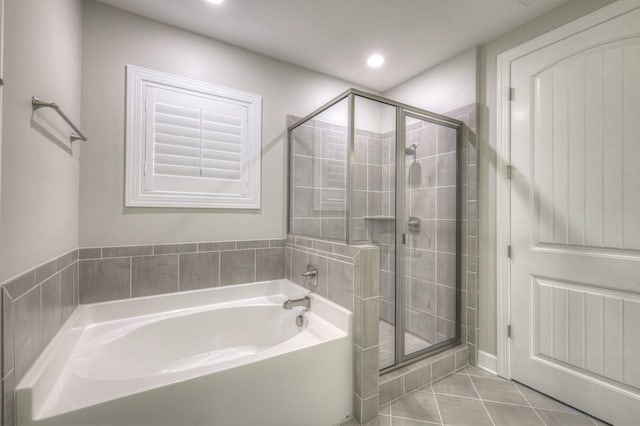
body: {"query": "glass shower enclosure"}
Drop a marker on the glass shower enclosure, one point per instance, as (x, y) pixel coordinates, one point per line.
(367, 170)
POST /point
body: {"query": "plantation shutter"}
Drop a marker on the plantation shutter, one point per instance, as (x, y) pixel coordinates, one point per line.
(195, 144)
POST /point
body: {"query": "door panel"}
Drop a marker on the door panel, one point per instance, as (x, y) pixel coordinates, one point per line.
(575, 219)
(579, 108)
(577, 325)
(430, 285)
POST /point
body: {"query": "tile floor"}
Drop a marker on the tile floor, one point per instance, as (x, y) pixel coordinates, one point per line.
(386, 339)
(474, 397)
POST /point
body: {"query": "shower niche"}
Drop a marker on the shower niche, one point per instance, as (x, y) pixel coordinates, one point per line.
(367, 170)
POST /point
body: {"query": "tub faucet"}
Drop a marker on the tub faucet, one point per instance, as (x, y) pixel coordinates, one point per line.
(292, 303)
(303, 301)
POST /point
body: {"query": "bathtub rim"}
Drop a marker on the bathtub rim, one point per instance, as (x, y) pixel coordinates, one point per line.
(40, 380)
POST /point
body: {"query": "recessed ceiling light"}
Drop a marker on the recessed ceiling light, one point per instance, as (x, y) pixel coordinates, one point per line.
(215, 1)
(375, 60)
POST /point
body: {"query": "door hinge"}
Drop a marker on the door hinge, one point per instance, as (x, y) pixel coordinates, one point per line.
(509, 251)
(509, 331)
(404, 238)
(512, 94)
(146, 168)
(509, 171)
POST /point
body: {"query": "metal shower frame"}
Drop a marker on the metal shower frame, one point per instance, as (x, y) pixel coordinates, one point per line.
(402, 112)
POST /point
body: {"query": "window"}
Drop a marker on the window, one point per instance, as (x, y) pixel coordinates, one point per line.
(191, 144)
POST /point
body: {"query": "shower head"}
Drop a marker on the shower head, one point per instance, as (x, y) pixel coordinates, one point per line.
(411, 149)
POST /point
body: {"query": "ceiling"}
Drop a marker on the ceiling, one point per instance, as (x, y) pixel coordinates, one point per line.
(335, 37)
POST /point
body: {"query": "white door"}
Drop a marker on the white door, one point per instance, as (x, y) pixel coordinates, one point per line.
(575, 218)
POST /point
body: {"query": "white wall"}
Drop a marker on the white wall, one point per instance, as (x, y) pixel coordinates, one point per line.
(488, 63)
(112, 39)
(39, 206)
(444, 87)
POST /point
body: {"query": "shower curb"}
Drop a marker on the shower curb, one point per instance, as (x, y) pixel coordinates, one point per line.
(398, 383)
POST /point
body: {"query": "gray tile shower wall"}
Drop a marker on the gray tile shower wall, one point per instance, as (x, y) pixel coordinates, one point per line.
(111, 273)
(34, 307)
(347, 275)
(433, 197)
(319, 179)
(431, 259)
(374, 207)
(427, 315)
(469, 219)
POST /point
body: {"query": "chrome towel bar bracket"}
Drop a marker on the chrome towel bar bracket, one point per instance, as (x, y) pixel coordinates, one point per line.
(37, 103)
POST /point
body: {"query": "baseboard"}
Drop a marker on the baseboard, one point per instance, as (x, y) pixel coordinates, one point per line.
(487, 362)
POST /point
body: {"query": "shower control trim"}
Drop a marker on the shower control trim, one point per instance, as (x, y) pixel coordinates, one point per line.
(414, 224)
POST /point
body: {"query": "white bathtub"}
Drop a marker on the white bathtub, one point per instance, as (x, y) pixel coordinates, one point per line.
(230, 356)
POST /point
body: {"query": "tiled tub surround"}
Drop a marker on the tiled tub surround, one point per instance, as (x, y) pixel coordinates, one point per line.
(347, 275)
(111, 273)
(34, 307)
(36, 304)
(120, 362)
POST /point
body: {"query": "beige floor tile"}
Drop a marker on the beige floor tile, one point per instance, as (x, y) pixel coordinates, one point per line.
(397, 421)
(457, 401)
(538, 400)
(557, 418)
(498, 390)
(462, 411)
(457, 385)
(380, 421)
(512, 415)
(416, 406)
(599, 422)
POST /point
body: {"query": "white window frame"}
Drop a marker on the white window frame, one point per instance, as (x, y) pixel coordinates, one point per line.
(139, 80)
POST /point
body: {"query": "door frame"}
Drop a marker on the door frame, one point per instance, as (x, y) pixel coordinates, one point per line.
(401, 187)
(503, 172)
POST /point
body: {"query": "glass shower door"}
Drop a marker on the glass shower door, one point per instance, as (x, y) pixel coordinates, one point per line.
(429, 285)
(373, 212)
